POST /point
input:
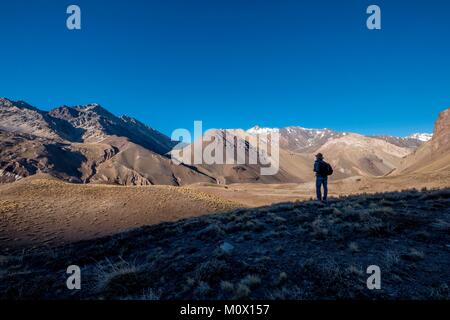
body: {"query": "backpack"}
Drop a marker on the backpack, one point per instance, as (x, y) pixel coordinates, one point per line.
(329, 169)
(325, 169)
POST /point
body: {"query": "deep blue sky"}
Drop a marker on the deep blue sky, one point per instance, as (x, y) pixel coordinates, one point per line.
(234, 63)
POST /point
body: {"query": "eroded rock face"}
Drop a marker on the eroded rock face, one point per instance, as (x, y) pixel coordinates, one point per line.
(96, 123)
(85, 144)
(441, 137)
(433, 157)
(22, 155)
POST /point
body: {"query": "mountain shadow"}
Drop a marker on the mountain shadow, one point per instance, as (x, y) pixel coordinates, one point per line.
(301, 250)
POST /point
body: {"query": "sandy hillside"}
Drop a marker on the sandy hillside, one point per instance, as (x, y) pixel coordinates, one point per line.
(41, 210)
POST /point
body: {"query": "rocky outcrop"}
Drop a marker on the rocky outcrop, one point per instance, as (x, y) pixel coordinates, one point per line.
(433, 157)
(441, 136)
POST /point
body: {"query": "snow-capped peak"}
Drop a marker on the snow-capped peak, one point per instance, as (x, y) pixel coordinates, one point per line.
(424, 137)
(259, 130)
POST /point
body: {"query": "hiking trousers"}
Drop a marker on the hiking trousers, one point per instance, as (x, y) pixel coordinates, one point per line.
(321, 181)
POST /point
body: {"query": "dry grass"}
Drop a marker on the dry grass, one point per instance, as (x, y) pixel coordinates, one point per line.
(39, 212)
(302, 250)
(353, 247)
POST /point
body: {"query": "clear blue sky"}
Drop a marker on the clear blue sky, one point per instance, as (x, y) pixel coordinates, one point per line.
(234, 63)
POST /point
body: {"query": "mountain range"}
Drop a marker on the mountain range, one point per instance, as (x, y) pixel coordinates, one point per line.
(88, 144)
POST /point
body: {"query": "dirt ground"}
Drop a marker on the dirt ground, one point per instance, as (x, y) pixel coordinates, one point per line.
(43, 211)
(36, 211)
(289, 251)
(254, 195)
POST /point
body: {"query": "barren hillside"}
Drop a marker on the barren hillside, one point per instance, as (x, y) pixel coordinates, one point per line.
(85, 144)
(357, 155)
(434, 155)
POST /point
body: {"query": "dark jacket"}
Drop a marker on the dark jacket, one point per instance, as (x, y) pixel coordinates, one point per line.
(317, 164)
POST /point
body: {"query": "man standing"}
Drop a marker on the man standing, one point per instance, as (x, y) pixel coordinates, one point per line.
(322, 170)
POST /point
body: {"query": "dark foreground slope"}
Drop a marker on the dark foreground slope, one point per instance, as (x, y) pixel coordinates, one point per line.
(303, 250)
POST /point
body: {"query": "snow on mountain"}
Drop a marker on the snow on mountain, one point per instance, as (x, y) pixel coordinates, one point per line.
(260, 130)
(299, 139)
(424, 137)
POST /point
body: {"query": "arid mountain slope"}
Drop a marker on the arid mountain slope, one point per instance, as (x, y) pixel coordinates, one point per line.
(299, 139)
(136, 165)
(304, 140)
(89, 144)
(412, 142)
(20, 117)
(86, 144)
(234, 165)
(434, 155)
(350, 154)
(357, 155)
(97, 123)
(23, 154)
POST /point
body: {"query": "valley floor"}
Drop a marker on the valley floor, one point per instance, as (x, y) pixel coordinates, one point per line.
(254, 195)
(43, 211)
(298, 250)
